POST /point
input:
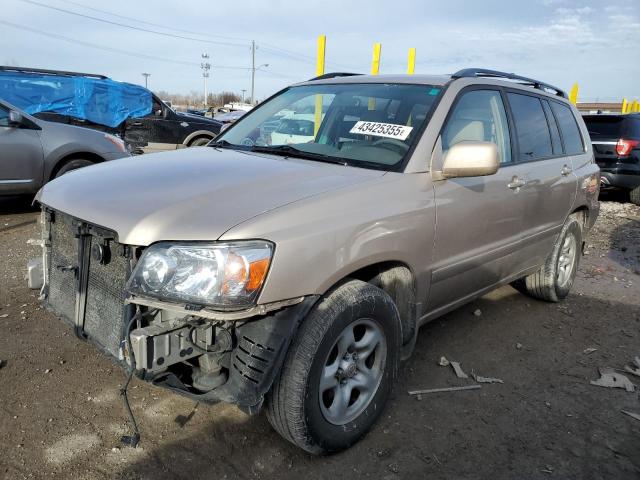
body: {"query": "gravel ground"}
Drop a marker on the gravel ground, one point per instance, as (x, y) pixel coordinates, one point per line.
(61, 417)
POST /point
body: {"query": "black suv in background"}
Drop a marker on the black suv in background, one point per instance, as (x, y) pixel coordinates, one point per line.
(616, 146)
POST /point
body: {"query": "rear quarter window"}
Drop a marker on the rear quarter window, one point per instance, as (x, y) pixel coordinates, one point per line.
(568, 128)
(532, 130)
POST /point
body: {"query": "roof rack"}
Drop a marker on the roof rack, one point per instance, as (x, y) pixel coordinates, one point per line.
(483, 72)
(334, 75)
(50, 72)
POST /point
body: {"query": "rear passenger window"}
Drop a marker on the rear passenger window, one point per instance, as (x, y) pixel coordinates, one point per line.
(479, 116)
(569, 129)
(532, 130)
(553, 126)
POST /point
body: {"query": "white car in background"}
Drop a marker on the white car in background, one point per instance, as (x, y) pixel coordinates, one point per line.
(298, 128)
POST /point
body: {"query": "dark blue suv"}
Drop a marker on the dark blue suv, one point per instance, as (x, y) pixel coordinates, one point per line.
(616, 145)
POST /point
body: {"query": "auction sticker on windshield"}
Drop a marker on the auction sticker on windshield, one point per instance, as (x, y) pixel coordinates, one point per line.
(388, 130)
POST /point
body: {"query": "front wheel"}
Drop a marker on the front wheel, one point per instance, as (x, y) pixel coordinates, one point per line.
(339, 370)
(555, 278)
(72, 165)
(200, 142)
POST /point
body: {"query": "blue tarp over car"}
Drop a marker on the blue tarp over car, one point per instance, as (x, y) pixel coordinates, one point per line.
(98, 100)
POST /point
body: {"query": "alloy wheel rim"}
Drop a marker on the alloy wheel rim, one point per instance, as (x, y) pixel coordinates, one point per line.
(352, 371)
(566, 260)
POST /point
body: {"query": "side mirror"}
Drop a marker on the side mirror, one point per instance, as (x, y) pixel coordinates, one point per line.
(471, 159)
(15, 118)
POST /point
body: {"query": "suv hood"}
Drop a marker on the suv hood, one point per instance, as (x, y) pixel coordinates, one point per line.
(194, 194)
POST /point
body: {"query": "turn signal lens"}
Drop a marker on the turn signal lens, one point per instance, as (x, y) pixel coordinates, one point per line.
(257, 272)
(624, 147)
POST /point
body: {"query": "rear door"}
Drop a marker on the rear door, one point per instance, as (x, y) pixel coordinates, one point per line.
(21, 157)
(479, 219)
(547, 169)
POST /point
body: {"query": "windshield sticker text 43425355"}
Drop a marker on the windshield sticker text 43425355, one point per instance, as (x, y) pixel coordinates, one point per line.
(377, 129)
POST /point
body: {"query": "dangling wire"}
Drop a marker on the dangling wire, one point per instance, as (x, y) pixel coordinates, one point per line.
(131, 440)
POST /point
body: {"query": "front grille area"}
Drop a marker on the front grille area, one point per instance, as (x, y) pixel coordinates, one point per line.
(102, 316)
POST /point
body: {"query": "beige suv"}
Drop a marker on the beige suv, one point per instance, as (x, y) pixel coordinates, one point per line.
(293, 271)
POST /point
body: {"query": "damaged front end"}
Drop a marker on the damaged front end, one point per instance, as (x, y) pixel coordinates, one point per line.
(207, 354)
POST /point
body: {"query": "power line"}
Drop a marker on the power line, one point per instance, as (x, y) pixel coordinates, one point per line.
(169, 27)
(164, 34)
(273, 49)
(113, 50)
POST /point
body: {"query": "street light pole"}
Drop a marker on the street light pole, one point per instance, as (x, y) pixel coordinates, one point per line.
(146, 79)
(206, 66)
(253, 70)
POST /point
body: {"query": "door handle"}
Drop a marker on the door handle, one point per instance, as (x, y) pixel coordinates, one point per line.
(136, 124)
(516, 183)
(566, 170)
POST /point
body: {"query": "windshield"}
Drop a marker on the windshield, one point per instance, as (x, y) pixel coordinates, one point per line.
(365, 125)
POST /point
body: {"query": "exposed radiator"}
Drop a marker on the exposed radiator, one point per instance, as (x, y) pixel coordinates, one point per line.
(104, 304)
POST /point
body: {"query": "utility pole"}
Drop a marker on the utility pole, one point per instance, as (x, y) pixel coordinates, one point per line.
(205, 66)
(243, 90)
(253, 71)
(146, 79)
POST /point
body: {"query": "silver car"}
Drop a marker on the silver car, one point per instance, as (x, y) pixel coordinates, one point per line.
(34, 151)
(295, 276)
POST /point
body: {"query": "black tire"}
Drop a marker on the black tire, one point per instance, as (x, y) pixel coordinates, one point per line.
(634, 196)
(72, 165)
(200, 141)
(546, 284)
(293, 406)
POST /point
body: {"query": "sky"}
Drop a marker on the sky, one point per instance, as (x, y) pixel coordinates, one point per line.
(594, 43)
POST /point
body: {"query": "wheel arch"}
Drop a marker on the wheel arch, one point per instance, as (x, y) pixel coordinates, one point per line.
(396, 279)
(92, 157)
(198, 134)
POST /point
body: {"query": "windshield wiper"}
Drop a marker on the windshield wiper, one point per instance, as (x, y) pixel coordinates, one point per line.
(223, 144)
(289, 151)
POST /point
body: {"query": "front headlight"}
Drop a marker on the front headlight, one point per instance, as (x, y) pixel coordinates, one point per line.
(228, 274)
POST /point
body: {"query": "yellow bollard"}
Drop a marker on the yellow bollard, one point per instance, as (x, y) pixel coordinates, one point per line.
(411, 62)
(635, 106)
(375, 62)
(573, 94)
(623, 108)
(375, 69)
(322, 43)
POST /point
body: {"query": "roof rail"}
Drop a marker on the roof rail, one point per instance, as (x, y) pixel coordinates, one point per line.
(334, 75)
(50, 72)
(483, 72)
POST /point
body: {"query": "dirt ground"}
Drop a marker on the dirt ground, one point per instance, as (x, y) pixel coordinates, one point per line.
(61, 416)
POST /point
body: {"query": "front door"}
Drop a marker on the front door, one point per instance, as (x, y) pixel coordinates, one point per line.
(479, 219)
(21, 157)
(155, 132)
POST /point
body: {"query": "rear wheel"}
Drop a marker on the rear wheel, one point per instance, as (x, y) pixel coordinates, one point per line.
(555, 278)
(339, 370)
(72, 165)
(634, 196)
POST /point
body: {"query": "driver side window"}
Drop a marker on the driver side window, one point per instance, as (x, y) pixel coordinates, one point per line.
(479, 116)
